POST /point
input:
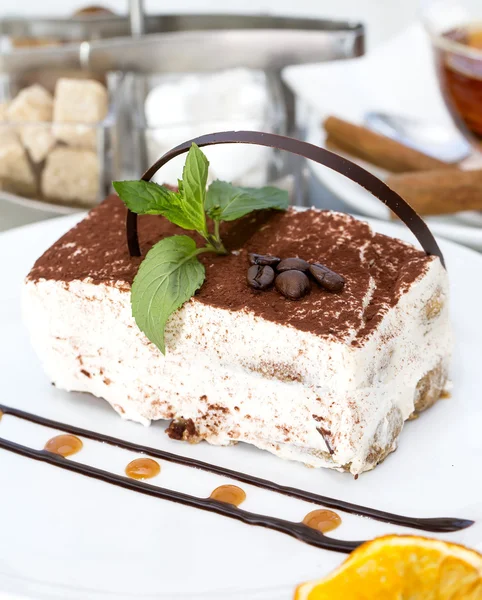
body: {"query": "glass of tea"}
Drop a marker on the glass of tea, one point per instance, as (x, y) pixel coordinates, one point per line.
(455, 29)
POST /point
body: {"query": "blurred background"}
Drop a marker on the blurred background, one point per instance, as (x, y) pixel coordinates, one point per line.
(95, 92)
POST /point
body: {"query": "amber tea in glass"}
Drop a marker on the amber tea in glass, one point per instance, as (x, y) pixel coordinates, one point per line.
(459, 67)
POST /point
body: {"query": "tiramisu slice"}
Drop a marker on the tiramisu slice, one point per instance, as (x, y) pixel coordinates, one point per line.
(327, 380)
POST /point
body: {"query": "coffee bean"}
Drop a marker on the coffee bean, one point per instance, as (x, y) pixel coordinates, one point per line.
(288, 264)
(260, 277)
(292, 284)
(263, 259)
(327, 278)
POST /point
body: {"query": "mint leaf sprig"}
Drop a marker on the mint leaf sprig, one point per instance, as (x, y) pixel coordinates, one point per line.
(171, 273)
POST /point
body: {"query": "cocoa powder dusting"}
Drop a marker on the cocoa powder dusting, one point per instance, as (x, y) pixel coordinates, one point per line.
(373, 265)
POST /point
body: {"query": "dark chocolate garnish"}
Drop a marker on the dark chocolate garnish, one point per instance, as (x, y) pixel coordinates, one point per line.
(260, 277)
(333, 161)
(132, 234)
(292, 284)
(427, 524)
(263, 259)
(327, 278)
(288, 264)
(325, 435)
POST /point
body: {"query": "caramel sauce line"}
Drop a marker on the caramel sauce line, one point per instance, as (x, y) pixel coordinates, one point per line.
(297, 530)
(442, 524)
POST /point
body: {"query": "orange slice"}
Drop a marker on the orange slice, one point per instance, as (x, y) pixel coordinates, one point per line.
(402, 568)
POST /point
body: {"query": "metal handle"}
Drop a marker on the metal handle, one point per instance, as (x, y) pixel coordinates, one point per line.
(136, 16)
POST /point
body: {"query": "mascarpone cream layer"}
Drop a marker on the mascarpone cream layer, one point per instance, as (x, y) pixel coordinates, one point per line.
(243, 378)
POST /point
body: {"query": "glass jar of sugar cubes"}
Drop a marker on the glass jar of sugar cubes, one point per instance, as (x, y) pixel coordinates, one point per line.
(169, 109)
(58, 137)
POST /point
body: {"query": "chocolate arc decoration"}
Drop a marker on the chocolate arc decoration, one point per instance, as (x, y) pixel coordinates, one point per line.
(333, 161)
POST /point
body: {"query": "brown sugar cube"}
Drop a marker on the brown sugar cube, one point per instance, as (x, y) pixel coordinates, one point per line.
(33, 104)
(79, 101)
(71, 175)
(38, 140)
(16, 174)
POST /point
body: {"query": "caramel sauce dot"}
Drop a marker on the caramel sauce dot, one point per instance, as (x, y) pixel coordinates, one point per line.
(1, 415)
(231, 494)
(322, 520)
(143, 468)
(64, 445)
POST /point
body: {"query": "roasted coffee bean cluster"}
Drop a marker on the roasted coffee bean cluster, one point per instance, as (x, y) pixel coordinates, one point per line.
(290, 275)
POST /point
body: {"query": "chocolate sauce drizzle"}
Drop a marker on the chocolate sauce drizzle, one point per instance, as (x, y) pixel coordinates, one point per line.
(444, 524)
(333, 161)
(296, 530)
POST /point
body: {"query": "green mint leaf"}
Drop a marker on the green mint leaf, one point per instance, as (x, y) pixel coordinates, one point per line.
(225, 202)
(148, 198)
(167, 277)
(193, 187)
(145, 197)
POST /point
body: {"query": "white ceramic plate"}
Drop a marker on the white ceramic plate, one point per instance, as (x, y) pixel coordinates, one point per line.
(66, 536)
(384, 81)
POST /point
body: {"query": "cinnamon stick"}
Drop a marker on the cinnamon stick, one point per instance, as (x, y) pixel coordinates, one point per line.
(378, 149)
(440, 192)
